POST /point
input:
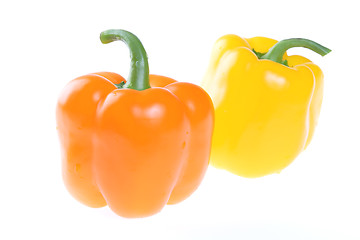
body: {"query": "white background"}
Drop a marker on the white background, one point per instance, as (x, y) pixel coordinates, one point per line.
(45, 44)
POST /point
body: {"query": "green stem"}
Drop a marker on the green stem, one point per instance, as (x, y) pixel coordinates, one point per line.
(277, 52)
(139, 67)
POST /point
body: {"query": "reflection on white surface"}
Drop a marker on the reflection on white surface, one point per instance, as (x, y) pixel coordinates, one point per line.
(315, 198)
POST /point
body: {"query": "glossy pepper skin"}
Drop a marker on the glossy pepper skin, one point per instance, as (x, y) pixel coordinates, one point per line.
(267, 104)
(133, 147)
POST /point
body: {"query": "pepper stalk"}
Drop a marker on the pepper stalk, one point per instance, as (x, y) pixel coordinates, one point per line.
(139, 67)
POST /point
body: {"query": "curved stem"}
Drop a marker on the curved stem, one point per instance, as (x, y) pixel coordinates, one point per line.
(277, 52)
(139, 67)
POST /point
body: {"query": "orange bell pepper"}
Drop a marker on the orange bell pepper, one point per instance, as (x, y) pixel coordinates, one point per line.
(131, 146)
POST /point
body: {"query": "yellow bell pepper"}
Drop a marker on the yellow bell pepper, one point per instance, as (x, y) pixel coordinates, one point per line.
(267, 104)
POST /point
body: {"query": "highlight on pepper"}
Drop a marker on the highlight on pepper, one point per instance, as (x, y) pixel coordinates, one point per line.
(267, 103)
(134, 145)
